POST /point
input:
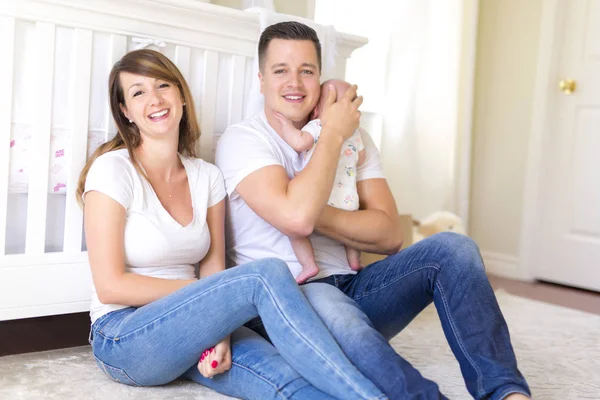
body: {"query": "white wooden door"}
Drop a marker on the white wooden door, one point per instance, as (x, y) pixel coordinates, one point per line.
(570, 235)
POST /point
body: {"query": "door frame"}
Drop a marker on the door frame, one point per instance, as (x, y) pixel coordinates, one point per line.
(466, 90)
(545, 94)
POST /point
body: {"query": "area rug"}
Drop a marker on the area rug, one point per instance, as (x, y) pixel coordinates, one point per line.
(558, 351)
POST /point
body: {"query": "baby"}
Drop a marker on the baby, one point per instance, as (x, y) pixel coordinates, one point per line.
(344, 194)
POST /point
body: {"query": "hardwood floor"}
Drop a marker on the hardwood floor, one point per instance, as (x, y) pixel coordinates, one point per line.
(44, 333)
(61, 331)
(565, 296)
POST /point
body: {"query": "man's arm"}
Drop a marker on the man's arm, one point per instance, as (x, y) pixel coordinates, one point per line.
(375, 227)
(293, 206)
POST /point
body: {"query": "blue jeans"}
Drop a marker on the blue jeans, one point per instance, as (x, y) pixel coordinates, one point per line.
(162, 341)
(369, 308)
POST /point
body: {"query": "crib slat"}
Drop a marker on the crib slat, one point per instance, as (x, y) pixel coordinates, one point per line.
(182, 60)
(118, 48)
(80, 90)
(236, 90)
(7, 33)
(209, 101)
(40, 142)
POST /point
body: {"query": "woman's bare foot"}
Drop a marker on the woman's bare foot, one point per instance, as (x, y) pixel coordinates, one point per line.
(307, 273)
(516, 396)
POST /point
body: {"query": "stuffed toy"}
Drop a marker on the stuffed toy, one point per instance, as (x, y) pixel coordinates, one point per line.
(441, 221)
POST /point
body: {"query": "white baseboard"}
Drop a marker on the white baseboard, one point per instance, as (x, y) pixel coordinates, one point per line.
(503, 265)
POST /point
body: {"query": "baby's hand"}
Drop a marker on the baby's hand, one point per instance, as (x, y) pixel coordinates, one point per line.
(297, 139)
(285, 122)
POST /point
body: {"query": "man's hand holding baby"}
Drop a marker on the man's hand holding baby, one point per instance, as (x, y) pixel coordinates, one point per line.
(341, 117)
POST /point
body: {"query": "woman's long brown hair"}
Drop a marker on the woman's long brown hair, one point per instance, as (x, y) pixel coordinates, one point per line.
(154, 65)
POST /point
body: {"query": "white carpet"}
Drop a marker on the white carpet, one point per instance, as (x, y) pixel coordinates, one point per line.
(558, 351)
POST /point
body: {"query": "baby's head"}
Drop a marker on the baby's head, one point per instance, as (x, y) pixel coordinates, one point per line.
(340, 87)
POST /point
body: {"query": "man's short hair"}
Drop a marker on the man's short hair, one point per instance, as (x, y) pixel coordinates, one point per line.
(289, 30)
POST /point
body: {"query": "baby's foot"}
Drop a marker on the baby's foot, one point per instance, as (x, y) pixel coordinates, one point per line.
(307, 273)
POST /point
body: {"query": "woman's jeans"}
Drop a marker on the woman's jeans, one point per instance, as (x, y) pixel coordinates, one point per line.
(365, 310)
(162, 341)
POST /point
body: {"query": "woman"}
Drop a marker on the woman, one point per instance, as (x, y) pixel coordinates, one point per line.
(153, 210)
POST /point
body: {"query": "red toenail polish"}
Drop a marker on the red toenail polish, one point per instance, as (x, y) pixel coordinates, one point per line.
(214, 364)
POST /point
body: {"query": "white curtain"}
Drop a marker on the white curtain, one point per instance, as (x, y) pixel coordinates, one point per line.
(420, 114)
(413, 65)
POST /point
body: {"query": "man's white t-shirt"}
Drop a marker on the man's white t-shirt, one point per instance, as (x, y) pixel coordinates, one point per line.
(155, 244)
(249, 146)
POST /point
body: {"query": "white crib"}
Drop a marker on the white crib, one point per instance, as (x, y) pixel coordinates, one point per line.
(54, 112)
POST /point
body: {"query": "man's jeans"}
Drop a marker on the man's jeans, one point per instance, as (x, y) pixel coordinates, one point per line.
(157, 343)
(382, 299)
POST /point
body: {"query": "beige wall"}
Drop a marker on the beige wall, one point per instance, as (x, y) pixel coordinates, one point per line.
(299, 8)
(237, 4)
(507, 46)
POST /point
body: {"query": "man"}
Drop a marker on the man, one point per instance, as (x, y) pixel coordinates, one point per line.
(365, 309)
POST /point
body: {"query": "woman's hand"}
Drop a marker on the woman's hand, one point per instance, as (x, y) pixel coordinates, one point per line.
(216, 360)
(341, 116)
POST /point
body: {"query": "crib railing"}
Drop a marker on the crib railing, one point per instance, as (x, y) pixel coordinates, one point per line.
(214, 48)
(7, 31)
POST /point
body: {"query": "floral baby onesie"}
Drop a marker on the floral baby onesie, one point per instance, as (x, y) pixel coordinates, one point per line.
(343, 194)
